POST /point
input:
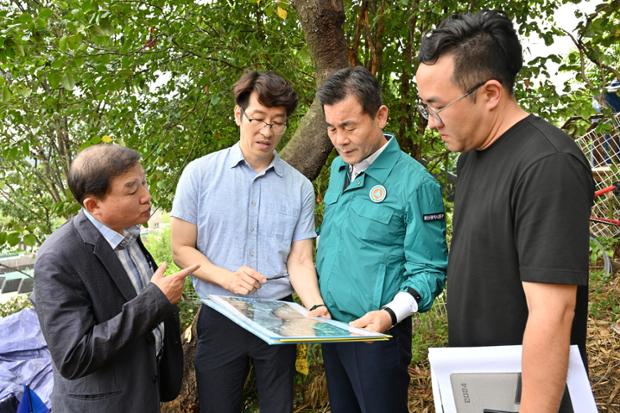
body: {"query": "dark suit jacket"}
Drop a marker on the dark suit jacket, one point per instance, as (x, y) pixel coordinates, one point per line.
(98, 331)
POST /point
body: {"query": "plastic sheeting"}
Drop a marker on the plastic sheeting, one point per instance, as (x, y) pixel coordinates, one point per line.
(24, 358)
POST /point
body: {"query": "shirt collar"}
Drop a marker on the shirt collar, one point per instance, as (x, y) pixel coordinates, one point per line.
(236, 157)
(113, 237)
(365, 163)
(381, 166)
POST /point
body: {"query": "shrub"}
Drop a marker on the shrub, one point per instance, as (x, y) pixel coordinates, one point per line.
(15, 305)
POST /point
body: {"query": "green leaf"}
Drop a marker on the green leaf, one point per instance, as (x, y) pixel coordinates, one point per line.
(62, 44)
(6, 94)
(68, 82)
(13, 239)
(45, 13)
(105, 25)
(29, 240)
(74, 41)
(24, 91)
(54, 78)
(11, 153)
(3, 236)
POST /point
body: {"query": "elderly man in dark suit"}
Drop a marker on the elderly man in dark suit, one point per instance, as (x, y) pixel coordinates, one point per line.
(107, 313)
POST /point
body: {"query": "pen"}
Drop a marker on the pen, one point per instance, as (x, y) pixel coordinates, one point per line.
(276, 277)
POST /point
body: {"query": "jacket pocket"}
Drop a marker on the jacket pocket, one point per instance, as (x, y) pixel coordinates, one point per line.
(373, 221)
(94, 397)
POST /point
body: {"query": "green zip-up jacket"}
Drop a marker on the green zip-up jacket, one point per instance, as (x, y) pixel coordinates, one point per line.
(382, 234)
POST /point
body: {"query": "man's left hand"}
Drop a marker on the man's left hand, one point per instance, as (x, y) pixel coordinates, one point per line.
(377, 321)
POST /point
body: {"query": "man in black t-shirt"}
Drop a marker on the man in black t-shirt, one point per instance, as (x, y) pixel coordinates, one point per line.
(518, 265)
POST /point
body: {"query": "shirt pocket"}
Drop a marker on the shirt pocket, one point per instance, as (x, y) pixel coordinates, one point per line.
(373, 222)
(280, 221)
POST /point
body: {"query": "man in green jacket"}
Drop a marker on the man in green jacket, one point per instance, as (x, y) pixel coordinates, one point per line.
(382, 252)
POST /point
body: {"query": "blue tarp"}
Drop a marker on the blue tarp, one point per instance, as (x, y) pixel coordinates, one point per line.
(31, 403)
(24, 359)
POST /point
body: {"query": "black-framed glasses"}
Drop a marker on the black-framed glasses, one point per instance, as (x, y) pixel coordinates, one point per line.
(276, 127)
(427, 112)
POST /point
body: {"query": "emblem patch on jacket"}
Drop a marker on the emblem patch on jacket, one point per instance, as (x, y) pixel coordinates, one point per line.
(438, 216)
(377, 193)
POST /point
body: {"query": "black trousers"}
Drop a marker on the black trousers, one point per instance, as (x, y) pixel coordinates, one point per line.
(223, 353)
(370, 377)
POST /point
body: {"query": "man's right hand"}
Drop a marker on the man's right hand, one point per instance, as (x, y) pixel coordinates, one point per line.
(245, 281)
(172, 285)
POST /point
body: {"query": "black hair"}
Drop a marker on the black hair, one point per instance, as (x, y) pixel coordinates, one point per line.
(485, 46)
(272, 90)
(356, 81)
(93, 169)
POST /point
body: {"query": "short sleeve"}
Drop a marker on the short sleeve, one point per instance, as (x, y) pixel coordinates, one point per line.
(305, 224)
(185, 204)
(552, 202)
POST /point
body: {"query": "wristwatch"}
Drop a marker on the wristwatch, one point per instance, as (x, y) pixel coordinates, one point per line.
(393, 318)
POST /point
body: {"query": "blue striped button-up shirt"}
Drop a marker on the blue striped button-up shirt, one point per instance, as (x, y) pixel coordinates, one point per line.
(245, 218)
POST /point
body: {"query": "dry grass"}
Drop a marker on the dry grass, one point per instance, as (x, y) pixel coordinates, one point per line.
(604, 344)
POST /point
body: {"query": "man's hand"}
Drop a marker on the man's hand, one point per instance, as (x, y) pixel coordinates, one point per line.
(377, 321)
(172, 285)
(245, 281)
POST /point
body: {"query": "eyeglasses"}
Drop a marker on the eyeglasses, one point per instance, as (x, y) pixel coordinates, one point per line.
(427, 112)
(276, 127)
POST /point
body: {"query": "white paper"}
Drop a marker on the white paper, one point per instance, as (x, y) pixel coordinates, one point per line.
(498, 359)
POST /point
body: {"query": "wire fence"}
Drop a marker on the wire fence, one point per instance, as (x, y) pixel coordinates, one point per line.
(602, 149)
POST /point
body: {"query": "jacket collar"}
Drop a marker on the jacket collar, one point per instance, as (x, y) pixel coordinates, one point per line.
(103, 251)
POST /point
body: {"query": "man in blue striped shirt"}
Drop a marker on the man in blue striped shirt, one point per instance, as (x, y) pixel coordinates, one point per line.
(247, 217)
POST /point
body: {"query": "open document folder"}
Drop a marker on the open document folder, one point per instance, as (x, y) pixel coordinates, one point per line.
(283, 322)
(488, 379)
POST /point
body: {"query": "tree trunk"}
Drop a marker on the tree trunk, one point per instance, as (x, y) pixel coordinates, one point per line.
(187, 401)
(322, 22)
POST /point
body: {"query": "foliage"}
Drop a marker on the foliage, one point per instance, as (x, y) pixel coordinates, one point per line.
(156, 76)
(14, 305)
(153, 75)
(602, 246)
(603, 305)
(158, 243)
(594, 64)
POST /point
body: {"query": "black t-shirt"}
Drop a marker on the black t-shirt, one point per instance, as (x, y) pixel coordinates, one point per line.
(521, 214)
